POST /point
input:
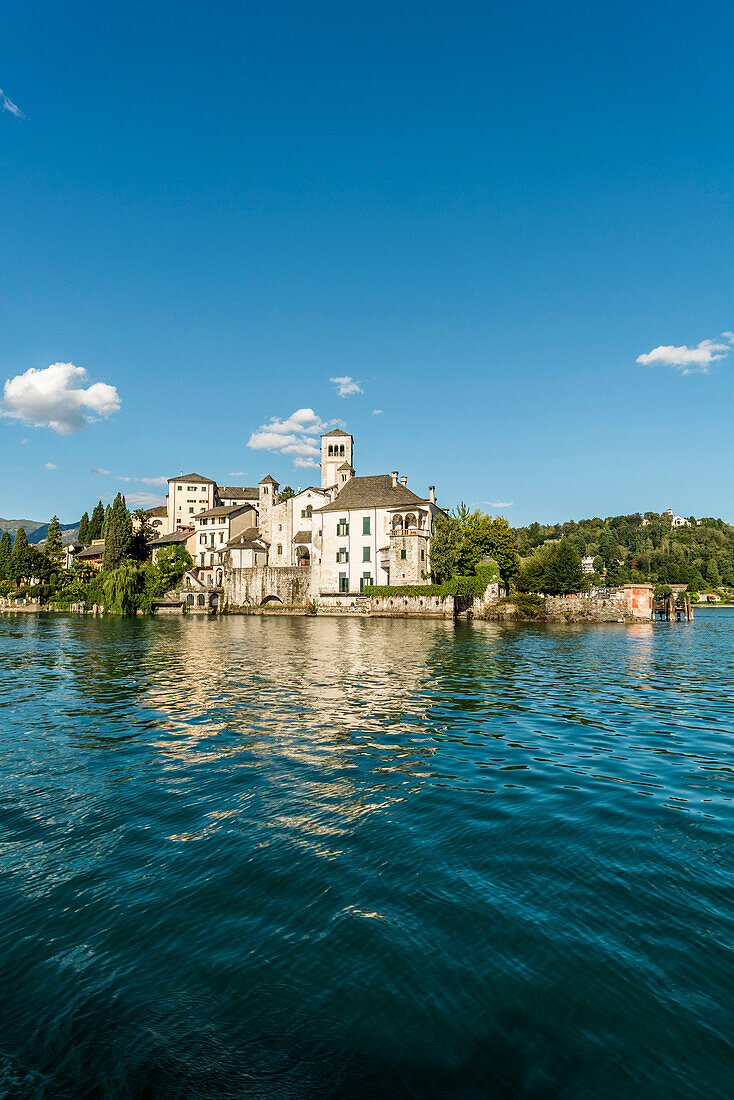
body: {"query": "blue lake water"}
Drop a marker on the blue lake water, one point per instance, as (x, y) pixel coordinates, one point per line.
(313, 857)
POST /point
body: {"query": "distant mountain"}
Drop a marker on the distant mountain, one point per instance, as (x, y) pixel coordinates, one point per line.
(37, 531)
(12, 525)
(69, 532)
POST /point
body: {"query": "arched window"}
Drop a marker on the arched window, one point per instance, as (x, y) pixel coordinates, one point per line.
(202, 601)
(341, 451)
(309, 511)
(190, 600)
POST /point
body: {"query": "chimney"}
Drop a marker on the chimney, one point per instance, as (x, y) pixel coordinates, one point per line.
(395, 479)
(404, 480)
(432, 493)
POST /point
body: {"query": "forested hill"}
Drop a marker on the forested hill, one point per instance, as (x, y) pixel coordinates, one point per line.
(636, 547)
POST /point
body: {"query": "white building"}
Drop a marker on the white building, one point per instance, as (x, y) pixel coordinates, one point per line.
(587, 564)
(213, 529)
(188, 496)
(374, 531)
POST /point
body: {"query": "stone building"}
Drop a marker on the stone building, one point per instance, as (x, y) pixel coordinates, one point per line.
(188, 495)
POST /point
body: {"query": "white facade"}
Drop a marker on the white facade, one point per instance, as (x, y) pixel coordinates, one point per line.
(187, 497)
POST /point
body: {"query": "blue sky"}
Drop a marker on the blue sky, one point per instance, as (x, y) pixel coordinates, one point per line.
(481, 213)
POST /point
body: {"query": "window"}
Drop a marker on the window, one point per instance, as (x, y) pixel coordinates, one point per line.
(202, 540)
(423, 555)
(342, 528)
(365, 579)
(342, 555)
(221, 536)
(365, 525)
(179, 488)
(343, 582)
(280, 526)
(191, 511)
(204, 522)
(403, 554)
(366, 553)
(280, 548)
(202, 556)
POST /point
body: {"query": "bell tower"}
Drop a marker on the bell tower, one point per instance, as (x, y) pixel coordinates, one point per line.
(337, 448)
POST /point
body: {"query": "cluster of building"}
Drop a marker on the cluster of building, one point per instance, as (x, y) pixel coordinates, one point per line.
(331, 539)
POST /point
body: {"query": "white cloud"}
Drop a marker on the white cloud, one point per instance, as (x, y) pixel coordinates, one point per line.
(346, 386)
(377, 412)
(500, 503)
(55, 398)
(8, 105)
(687, 360)
(152, 480)
(99, 470)
(23, 442)
(49, 466)
(294, 436)
(143, 500)
(236, 473)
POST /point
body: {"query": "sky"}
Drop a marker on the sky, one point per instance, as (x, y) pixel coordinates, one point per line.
(492, 241)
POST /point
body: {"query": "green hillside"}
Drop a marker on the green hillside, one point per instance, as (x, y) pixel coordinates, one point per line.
(645, 548)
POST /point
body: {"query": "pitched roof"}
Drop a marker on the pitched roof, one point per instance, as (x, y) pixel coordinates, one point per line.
(222, 510)
(193, 477)
(174, 537)
(336, 431)
(268, 479)
(376, 491)
(96, 550)
(302, 536)
(247, 540)
(161, 510)
(345, 466)
(247, 492)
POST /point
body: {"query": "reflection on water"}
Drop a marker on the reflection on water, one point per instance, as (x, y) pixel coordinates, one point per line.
(321, 857)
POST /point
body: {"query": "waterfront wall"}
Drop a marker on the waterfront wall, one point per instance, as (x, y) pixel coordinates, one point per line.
(264, 586)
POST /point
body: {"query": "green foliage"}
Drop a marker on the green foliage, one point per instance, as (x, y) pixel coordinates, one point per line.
(106, 520)
(121, 586)
(20, 542)
(286, 493)
(529, 604)
(554, 568)
(84, 530)
(119, 535)
(27, 565)
(172, 562)
(6, 549)
(660, 591)
(53, 548)
(462, 540)
(695, 556)
(445, 548)
(96, 523)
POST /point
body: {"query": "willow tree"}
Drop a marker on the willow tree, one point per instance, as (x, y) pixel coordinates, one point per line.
(121, 587)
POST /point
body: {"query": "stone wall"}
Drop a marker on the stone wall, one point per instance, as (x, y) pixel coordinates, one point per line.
(265, 585)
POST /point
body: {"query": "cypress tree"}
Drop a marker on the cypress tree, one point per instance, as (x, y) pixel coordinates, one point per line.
(119, 534)
(95, 523)
(84, 530)
(106, 520)
(20, 542)
(53, 548)
(6, 549)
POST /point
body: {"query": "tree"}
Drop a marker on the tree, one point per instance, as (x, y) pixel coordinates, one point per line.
(106, 520)
(503, 548)
(28, 564)
(286, 493)
(96, 522)
(6, 549)
(119, 535)
(554, 568)
(445, 548)
(53, 548)
(121, 587)
(84, 530)
(172, 562)
(617, 574)
(713, 577)
(20, 542)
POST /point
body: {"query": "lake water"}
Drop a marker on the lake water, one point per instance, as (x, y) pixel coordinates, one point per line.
(314, 857)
